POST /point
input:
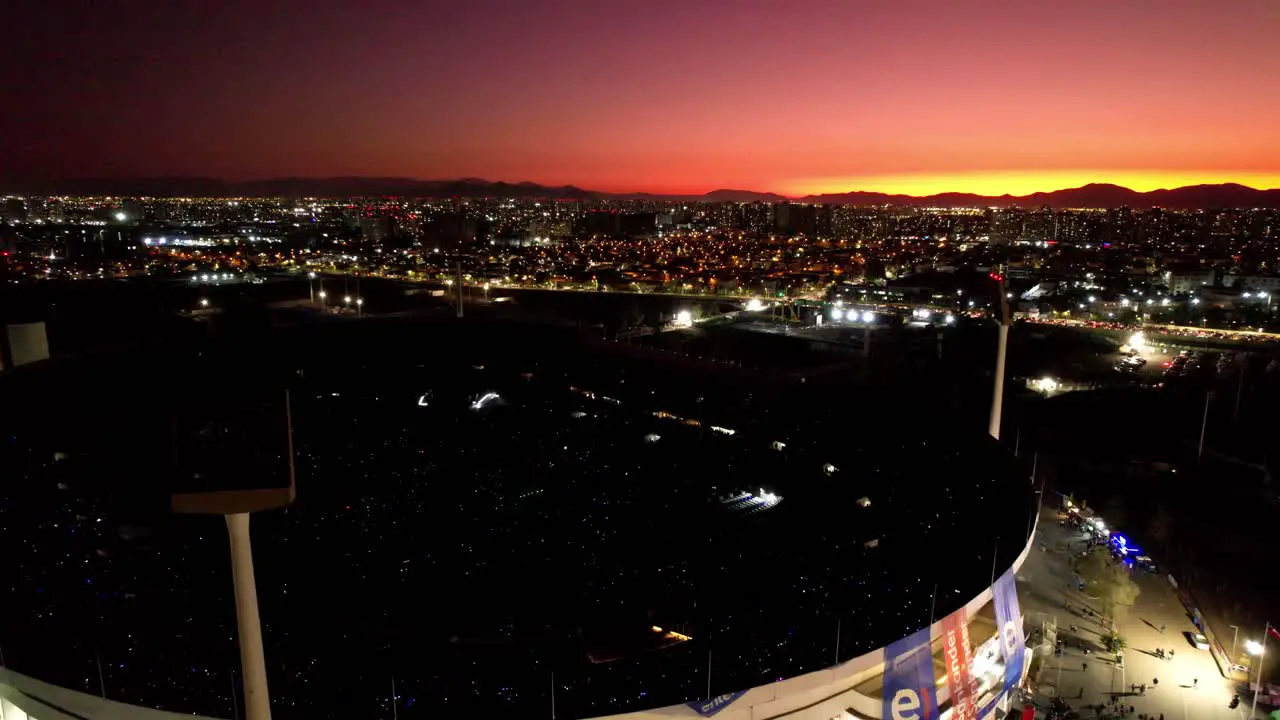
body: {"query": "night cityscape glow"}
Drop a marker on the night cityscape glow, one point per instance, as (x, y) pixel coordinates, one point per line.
(823, 360)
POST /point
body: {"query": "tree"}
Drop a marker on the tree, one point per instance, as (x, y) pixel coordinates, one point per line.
(1114, 642)
(1109, 582)
(635, 315)
(1160, 527)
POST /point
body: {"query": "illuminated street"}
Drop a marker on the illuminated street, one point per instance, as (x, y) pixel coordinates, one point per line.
(1092, 679)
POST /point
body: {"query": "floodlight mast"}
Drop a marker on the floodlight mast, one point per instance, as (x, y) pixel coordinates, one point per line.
(1002, 349)
(235, 506)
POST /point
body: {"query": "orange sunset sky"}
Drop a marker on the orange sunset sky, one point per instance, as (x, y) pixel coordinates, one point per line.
(796, 96)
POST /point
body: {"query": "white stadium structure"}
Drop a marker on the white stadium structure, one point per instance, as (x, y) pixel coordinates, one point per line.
(851, 690)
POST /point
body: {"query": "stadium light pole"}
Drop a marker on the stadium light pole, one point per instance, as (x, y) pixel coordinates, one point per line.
(253, 661)
(1002, 348)
(235, 506)
(1262, 656)
(395, 705)
(460, 288)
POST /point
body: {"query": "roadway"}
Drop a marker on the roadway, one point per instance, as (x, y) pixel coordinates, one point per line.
(1163, 334)
(1189, 687)
(1173, 335)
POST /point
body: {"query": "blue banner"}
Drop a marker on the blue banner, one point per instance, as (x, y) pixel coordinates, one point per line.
(1013, 647)
(707, 708)
(909, 687)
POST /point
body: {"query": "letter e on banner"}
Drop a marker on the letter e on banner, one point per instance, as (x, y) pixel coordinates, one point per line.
(908, 679)
(906, 705)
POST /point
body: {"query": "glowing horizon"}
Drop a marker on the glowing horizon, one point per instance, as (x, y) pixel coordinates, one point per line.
(1024, 182)
(662, 96)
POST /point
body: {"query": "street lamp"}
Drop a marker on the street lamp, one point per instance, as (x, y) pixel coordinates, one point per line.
(204, 302)
(311, 276)
(1235, 636)
(359, 307)
(1138, 341)
(1259, 649)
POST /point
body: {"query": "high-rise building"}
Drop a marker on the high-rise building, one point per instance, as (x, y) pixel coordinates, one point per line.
(795, 219)
(13, 210)
(758, 216)
(1006, 225)
(453, 231)
(377, 229)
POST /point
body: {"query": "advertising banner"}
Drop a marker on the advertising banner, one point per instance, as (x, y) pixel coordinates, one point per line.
(957, 657)
(908, 679)
(707, 708)
(1009, 619)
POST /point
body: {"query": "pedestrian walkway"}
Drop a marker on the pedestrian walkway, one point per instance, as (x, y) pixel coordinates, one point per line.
(1187, 686)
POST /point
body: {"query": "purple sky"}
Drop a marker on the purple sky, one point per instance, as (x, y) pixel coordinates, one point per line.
(648, 95)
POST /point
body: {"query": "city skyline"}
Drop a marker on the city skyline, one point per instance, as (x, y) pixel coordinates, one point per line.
(1089, 195)
(660, 97)
(638, 359)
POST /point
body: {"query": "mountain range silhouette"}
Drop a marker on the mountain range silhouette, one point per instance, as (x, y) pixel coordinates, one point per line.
(1096, 195)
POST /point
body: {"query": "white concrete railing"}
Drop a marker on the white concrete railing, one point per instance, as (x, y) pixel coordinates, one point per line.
(819, 695)
(25, 698)
(823, 694)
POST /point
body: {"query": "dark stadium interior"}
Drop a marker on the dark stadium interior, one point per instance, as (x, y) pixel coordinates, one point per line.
(470, 519)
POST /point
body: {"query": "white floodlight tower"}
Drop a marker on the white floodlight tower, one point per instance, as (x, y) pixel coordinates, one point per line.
(1002, 348)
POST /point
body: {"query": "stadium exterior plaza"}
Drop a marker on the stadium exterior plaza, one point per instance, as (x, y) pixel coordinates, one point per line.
(1045, 589)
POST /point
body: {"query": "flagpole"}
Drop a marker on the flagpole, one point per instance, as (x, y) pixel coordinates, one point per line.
(837, 641)
(553, 695)
(395, 710)
(932, 603)
(708, 673)
(1031, 516)
(1204, 425)
(235, 703)
(995, 552)
(1262, 656)
(102, 684)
